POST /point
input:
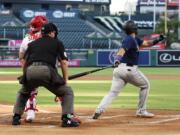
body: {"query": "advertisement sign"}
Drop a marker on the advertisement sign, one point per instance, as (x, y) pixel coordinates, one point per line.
(5, 12)
(9, 63)
(159, 2)
(168, 58)
(106, 57)
(144, 58)
(16, 63)
(151, 2)
(60, 14)
(55, 13)
(173, 3)
(144, 24)
(14, 44)
(74, 63)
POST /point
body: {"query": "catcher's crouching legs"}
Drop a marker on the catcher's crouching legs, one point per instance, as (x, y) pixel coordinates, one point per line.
(31, 106)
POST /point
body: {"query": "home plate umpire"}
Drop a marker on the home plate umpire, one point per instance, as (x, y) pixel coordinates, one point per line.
(40, 70)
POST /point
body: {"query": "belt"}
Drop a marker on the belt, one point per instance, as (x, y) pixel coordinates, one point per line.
(128, 65)
(39, 64)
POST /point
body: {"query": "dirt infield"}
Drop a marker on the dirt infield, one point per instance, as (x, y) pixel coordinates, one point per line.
(112, 122)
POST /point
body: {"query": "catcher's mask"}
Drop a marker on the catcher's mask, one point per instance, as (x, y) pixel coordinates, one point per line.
(130, 27)
(49, 27)
(37, 22)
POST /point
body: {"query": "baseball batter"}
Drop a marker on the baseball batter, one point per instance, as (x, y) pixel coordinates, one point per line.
(128, 72)
(35, 33)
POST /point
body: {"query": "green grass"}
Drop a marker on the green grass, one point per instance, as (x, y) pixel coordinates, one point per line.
(164, 94)
(72, 70)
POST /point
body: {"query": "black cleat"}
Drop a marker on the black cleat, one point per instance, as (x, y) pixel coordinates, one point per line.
(70, 121)
(96, 115)
(16, 119)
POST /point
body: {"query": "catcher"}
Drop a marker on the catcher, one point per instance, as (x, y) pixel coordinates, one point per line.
(128, 72)
(40, 61)
(36, 24)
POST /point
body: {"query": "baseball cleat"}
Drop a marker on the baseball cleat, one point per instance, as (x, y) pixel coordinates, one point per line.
(28, 120)
(77, 119)
(144, 114)
(96, 115)
(16, 120)
(70, 121)
(30, 116)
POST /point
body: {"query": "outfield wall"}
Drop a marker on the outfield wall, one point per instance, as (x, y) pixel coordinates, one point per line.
(101, 57)
(148, 58)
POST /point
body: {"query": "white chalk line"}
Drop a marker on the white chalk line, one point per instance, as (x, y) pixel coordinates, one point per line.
(164, 121)
(87, 118)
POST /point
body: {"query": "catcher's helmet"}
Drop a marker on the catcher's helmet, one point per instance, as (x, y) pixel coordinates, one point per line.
(130, 27)
(37, 22)
(49, 27)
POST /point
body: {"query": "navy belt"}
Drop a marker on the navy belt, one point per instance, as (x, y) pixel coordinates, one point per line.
(130, 65)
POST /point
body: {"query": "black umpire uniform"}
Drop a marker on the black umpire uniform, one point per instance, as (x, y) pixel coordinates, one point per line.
(40, 70)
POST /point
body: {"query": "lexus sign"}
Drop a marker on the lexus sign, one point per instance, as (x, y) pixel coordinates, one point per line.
(168, 58)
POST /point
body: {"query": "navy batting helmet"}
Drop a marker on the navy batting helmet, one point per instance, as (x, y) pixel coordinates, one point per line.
(130, 27)
(49, 27)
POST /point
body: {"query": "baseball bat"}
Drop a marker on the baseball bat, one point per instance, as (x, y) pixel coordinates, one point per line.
(88, 72)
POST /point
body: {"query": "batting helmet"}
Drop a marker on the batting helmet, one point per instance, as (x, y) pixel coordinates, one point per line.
(49, 27)
(130, 27)
(37, 22)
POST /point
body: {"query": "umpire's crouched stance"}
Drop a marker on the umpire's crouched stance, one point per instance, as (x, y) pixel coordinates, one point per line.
(41, 59)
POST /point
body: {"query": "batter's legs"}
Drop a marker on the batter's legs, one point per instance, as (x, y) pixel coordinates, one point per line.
(140, 80)
(116, 87)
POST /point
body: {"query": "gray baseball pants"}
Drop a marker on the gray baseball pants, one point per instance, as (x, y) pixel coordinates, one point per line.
(41, 76)
(122, 75)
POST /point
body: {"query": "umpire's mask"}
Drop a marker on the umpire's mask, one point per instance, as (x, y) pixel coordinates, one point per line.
(130, 27)
(49, 27)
